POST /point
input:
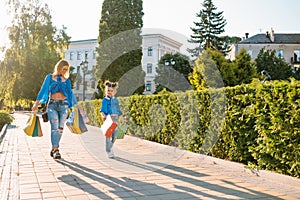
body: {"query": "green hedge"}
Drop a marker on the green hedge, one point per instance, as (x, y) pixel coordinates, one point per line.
(255, 124)
(5, 118)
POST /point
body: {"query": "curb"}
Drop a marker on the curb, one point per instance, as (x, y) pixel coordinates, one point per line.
(3, 132)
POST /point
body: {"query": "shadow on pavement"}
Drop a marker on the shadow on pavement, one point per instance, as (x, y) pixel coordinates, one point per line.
(124, 187)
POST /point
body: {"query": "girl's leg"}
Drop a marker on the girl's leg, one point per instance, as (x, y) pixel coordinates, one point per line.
(107, 144)
(110, 141)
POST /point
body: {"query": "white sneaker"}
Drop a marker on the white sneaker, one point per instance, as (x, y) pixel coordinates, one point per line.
(111, 154)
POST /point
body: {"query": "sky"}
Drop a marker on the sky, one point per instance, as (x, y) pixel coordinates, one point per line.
(252, 16)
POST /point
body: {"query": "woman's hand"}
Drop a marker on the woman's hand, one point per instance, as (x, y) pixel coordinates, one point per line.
(34, 108)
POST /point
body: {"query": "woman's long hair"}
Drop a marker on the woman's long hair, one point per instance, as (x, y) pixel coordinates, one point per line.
(59, 65)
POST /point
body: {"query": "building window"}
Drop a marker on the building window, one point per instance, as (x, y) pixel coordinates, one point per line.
(71, 55)
(150, 51)
(280, 53)
(297, 56)
(148, 86)
(149, 68)
(78, 55)
(250, 53)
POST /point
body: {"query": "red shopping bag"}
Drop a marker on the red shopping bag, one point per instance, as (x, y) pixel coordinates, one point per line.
(108, 126)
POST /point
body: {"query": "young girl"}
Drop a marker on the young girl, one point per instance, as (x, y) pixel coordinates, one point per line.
(110, 106)
(58, 89)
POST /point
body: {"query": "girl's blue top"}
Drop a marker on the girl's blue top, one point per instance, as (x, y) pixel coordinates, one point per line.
(110, 105)
(50, 86)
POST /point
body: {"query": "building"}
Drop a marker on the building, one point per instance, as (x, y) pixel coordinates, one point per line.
(78, 52)
(154, 47)
(287, 46)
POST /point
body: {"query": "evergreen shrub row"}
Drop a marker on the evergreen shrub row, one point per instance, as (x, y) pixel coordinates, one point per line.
(256, 124)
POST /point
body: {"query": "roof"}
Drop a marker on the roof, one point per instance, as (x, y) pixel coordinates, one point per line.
(279, 38)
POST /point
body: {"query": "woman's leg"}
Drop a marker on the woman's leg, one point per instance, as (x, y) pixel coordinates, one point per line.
(62, 116)
(57, 112)
(53, 118)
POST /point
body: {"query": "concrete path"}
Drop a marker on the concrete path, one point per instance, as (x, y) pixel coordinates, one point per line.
(140, 170)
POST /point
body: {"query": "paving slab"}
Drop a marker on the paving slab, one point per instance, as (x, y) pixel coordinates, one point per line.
(140, 170)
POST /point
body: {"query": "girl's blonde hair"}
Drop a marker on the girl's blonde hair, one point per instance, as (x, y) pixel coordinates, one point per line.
(59, 65)
(109, 84)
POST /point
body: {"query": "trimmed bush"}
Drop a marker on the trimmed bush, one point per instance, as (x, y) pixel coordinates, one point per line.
(5, 118)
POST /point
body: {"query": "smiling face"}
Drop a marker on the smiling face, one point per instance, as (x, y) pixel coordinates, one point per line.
(62, 68)
(110, 91)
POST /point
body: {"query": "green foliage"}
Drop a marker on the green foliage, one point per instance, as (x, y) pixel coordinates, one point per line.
(36, 46)
(206, 73)
(213, 70)
(245, 68)
(278, 127)
(259, 124)
(277, 68)
(207, 30)
(5, 118)
(120, 42)
(173, 77)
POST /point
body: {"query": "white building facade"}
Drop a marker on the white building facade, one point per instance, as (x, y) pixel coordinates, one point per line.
(154, 46)
(78, 52)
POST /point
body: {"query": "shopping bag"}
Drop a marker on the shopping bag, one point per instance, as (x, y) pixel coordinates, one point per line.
(122, 129)
(33, 126)
(29, 128)
(75, 122)
(83, 114)
(108, 126)
(81, 122)
(37, 128)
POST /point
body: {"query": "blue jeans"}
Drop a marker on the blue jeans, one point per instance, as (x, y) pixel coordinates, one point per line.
(111, 140)
(57, 113)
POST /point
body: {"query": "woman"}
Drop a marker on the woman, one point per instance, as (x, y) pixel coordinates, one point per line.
(57, 89)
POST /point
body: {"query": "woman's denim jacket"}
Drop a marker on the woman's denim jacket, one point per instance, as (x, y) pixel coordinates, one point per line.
(44, 92)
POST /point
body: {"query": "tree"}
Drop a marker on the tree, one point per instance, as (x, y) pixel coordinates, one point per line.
(177, 78)
(227, 42)
(276, 67)
(206, 73)
(35, 47)
(212, 65)
(120, 44)
(245, 70)
(207, 30)
(226, 68)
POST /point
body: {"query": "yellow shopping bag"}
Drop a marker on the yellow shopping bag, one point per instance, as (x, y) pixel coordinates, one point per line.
(30, 125)
(33, 126)
(75, 122)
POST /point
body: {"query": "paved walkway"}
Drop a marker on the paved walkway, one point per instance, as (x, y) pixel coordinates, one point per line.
(141, 170)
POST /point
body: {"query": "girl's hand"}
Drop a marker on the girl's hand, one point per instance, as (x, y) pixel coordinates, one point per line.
(123, 120)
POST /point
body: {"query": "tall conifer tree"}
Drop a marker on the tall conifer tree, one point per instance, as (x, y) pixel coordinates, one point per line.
(120, 44)
(207, 30)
